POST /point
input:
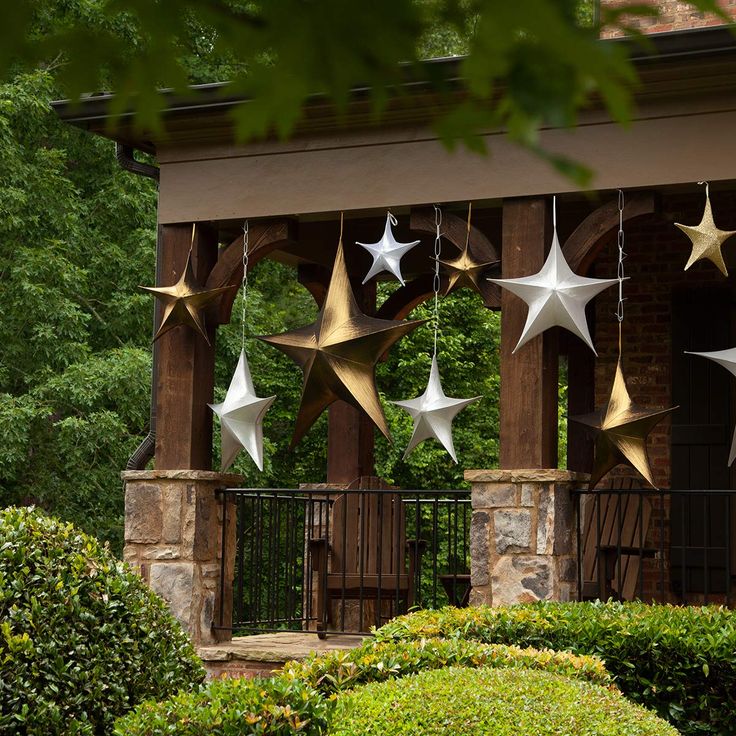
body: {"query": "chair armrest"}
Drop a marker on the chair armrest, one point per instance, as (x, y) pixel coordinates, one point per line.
(318, 549)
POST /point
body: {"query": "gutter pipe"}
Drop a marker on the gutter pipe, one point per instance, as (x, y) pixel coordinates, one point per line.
(145, 451)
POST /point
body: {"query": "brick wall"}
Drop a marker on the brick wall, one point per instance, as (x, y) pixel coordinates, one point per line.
(674, 15)
(657, 252)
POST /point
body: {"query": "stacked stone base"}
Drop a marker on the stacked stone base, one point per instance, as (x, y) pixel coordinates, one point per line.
(174, 538)
(523, 536)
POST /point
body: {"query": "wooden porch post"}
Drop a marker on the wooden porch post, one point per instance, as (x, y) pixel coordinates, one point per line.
(528, 433)
(186, 363)
(350, 438)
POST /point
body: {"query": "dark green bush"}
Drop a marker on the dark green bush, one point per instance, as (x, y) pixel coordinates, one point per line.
(502, 702)
(680, 662)
(82, 638)
(376, 661)
(236, 707)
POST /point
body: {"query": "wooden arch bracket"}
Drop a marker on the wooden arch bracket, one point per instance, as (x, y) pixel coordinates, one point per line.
(264, 237)
(588, 238)
(454, 229)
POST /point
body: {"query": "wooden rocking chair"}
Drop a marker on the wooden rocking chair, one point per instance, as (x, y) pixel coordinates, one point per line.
(365, 556)
(611, 568)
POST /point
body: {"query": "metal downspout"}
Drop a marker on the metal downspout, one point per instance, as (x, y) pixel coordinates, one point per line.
(145, 451)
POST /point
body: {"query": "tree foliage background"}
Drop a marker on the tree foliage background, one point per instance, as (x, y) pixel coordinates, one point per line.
(77, 234)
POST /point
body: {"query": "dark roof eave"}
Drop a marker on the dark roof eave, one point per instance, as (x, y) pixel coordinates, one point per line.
(93, 111)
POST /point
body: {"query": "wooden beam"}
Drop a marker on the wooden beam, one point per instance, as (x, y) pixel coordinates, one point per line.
(582, 246)
(186, 362)
(528, 436)
(264, 238)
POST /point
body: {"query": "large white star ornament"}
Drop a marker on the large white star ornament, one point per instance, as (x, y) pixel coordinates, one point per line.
(726, 358)
(241, 417)
(556, 297)
(433, 413)
(387, 252)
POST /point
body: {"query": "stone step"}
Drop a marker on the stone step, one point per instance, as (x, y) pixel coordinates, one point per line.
(261, 655)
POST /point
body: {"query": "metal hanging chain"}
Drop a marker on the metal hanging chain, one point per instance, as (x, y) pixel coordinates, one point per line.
(620, 273)
(436, 280)
(554, 212)
(244, 283)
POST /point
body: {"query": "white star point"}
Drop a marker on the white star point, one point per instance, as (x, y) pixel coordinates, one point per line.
(556, 297)
(387, 253)
(241, 417)
(433, 413)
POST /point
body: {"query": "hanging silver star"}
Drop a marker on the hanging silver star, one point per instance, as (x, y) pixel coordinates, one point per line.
(726, 358)
(387, 253)
(241, 417)
(556, 297)
(433, 413)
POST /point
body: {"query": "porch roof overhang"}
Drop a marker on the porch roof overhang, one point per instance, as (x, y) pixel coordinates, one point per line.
(682, 131)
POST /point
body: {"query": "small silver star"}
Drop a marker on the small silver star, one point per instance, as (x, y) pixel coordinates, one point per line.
(726, 358)
(387, 252)
(556, 297)
(241, 417)
(433, 413)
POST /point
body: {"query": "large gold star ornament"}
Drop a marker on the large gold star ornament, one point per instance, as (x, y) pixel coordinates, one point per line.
(706, 238)
(622, 429)
(184, 302)
(338, 353)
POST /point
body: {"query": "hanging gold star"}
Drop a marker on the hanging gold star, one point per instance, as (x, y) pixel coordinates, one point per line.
(622, 429)
(465, 271)
(706, 238)
(338, 353)
(184, 302)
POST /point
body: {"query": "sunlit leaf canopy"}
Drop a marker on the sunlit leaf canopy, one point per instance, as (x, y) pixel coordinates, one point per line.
(525, 64)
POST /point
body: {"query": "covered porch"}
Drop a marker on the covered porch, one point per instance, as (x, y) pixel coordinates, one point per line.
(527, 530)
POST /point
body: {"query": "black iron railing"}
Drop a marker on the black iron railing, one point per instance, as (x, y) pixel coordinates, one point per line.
(342, 560)
(663, 546)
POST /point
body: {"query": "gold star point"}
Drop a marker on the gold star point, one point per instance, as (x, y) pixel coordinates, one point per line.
(338, 353)
(622, 429)
(706, 239)
(184, 302)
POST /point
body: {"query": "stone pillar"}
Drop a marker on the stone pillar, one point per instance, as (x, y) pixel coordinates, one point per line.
(175, 525)
(523, 542)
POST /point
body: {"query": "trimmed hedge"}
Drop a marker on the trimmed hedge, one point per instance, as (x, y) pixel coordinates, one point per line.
(337, 671)
(301, 698)
(502, 702)
(82, 638)
(680, 662)
(234, 707)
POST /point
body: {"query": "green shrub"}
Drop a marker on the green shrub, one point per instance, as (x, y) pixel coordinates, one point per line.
(680, 662)
(376, 661)
(235, 707)
(82, 638)
(503, 702)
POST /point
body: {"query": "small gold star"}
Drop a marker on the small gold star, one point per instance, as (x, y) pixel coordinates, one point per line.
(184, 302)
(706, 238)
(622, 430)
(465, 271)
(338, 353)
